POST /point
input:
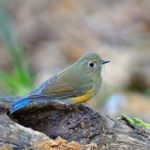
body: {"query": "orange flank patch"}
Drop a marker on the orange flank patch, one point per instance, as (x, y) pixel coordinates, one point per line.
(88, 95)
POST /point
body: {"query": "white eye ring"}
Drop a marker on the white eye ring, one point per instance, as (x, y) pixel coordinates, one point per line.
(92, 64)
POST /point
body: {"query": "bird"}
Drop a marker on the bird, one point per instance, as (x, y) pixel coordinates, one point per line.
(76, 84)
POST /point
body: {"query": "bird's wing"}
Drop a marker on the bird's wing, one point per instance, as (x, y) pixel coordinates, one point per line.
(56, 90)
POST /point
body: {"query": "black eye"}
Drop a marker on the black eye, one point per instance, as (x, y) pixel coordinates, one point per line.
(92, 65)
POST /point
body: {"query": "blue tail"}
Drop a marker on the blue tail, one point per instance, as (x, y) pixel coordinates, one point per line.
(19, 104)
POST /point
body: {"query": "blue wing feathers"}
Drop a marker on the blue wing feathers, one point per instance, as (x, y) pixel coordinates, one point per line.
(19, 104)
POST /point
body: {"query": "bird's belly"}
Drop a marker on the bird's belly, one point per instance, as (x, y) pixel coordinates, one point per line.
(83, 98)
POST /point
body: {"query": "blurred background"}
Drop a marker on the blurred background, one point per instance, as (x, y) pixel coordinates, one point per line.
(41, 37)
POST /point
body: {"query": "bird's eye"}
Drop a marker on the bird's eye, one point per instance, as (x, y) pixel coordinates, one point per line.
(92, 65)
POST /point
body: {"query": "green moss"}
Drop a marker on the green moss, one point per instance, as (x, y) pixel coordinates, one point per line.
(136, 121)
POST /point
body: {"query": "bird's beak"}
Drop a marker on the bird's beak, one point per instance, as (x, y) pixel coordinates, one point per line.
(104, 62)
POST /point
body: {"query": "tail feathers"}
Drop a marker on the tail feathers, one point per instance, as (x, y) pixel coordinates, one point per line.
(19, 104)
